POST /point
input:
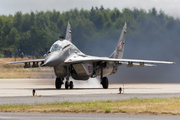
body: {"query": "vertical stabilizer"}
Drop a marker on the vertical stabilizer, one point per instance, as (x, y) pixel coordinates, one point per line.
(118, 53)
(68, 32)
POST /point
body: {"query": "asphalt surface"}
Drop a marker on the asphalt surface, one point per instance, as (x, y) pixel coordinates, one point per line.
(19, 91)
(78, 98)
(70, 116)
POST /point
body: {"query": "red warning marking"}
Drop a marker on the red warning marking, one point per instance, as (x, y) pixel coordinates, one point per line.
(120, 45)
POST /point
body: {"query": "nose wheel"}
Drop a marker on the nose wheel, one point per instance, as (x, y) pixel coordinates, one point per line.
(69, 84)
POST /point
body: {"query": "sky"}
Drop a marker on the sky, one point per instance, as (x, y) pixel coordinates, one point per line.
(170, 7)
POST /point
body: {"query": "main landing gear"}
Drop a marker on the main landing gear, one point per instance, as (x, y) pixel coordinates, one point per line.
(104, 80)
(59, 82)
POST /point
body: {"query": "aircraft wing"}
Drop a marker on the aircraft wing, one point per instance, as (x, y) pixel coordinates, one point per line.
(27, 61)
(113, 60)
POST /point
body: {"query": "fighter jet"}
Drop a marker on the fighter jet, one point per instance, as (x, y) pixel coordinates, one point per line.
(68, 61)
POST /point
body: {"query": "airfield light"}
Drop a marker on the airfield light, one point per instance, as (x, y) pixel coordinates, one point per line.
(33, 92)
(120, 89)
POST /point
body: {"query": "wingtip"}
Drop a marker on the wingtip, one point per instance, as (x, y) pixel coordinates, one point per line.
(7, 63)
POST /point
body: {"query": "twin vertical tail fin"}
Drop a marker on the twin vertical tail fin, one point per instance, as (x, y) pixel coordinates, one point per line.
(68, 32)
(118, 53)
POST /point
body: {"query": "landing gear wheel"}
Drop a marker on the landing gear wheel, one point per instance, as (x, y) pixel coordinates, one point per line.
(66, 85)
(58, 83)
(71, 85)
(105, 82)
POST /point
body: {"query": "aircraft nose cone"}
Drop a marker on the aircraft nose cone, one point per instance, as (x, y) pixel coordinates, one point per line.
(52, 59)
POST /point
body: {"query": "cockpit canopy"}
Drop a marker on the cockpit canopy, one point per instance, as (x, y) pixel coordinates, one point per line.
(55, 48)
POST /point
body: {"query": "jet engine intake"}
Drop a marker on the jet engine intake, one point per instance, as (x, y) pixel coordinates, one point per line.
(109, 69)
(60, 71)
(78, 77)
(83, 69)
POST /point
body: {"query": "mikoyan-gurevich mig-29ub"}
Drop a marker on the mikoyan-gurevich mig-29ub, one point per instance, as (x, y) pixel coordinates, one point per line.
(68, 61)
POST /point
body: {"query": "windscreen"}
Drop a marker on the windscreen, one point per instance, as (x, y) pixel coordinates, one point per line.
(55, 48)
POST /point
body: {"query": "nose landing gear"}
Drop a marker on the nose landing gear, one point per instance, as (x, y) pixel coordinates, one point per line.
(69, 84)
(66, 84)
(59, 82)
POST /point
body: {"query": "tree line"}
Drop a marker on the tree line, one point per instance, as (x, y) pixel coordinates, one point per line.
(38, 30)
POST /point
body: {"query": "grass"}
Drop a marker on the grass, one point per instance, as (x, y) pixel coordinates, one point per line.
(18, 70)
(170, 106)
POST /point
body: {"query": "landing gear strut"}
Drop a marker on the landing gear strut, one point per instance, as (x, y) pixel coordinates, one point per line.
(104, 80)
(59, 82)
(67, 83)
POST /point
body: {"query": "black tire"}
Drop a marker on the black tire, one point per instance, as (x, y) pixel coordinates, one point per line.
(105, 82)
(71, 85)
(58, 83)
(66, 85)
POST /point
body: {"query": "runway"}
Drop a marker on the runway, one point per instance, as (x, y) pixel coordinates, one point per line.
(19, 91)
(75, 116)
